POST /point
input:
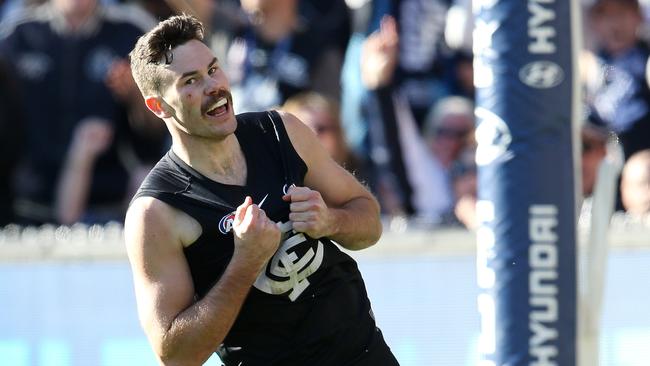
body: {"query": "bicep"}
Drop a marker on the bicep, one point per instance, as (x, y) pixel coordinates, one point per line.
(162, 281)
(335, 184)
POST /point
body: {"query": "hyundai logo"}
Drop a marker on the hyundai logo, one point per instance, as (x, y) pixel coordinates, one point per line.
(541, 74)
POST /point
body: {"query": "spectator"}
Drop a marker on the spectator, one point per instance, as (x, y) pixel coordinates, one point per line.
(449, 130)
(62, 54)
(635, 184)
(617, 92)
(403, 165)
(221, 19)
(278, 54)
(421, 73)
(321, 114)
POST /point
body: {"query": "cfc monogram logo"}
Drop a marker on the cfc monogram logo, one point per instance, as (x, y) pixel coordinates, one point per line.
(286, 271)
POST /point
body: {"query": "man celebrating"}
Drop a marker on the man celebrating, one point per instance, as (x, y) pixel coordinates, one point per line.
(261, 281)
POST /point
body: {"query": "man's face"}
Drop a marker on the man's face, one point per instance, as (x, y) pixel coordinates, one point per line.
(615, 25)
(198, 92)
(452, 136)
(75, 7)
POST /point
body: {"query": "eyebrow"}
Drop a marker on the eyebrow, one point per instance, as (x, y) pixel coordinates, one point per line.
(193, 72)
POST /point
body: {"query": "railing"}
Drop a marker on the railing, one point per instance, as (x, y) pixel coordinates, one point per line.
(401, 237)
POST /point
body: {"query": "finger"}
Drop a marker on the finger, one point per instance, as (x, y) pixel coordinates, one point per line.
(241, 210)
(249, 216)
(259, 213)
(302, 206)
(302, 216)
(389, 33)
(300, 193)
(301, 227)
(388, 26)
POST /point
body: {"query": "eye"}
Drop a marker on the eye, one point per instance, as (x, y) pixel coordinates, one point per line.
(212, 70)
(190, 81)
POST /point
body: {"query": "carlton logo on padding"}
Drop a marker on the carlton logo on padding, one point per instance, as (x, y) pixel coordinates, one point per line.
(493, 137)
(541, 74)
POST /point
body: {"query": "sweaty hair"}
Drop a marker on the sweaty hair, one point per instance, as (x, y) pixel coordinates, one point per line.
(154, 50)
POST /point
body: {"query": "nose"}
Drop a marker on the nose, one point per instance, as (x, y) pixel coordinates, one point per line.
(211, 86)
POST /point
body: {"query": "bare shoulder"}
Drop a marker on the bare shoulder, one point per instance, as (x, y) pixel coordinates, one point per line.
(293, 125)
(150, 219)
(302, 138)
(324, 175)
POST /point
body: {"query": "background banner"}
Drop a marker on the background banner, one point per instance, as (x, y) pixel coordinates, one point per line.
(526, 240)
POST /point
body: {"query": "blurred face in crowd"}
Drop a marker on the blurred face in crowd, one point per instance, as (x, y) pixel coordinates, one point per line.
(196, 93)
(616, 23)
(451, 136)
(77, 9)
(266, 6)
(327, 129)
(635, 184)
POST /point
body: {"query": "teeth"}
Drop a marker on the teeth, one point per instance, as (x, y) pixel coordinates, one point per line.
(220, 103)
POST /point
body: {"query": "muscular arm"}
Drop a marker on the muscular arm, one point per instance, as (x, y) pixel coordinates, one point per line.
(181, 331)
(350, 214)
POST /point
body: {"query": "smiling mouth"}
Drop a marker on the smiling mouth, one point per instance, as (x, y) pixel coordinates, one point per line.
(219, 108)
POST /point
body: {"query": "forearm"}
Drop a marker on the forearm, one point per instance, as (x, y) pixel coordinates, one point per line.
(195, 333)
(72, 191)
(356, 224)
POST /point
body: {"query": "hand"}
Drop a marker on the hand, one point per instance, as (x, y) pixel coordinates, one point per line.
(465, 211)
(91, 138)
(379, 55)
(309, 213)
(256, 236)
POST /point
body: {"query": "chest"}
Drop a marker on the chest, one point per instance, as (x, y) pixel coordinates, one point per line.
(209, 255)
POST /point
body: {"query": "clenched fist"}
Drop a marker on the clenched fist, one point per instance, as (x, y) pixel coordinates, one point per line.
(256, 236)
(309, 213)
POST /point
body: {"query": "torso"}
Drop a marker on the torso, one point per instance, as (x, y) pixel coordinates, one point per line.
(309, 291)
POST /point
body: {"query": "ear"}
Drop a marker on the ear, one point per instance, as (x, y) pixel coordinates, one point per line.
(158, 106)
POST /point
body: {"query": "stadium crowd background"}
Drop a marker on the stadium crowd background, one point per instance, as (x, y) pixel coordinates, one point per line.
(386, 85)
(390, 97)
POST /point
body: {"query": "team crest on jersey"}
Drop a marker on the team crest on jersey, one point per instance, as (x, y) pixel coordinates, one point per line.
(287, 272)
(225, 224)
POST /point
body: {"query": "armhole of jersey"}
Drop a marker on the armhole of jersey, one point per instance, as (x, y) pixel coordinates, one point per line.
(292, 161)
(161, 196)
(170, 199)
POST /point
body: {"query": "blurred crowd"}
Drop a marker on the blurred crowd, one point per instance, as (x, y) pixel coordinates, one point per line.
(386, 85)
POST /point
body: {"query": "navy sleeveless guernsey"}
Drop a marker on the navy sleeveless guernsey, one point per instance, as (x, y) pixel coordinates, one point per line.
(309, 305)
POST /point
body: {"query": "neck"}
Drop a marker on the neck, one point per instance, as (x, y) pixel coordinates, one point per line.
(222, 161)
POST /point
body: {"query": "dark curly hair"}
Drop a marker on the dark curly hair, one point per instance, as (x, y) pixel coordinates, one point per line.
(154, 49)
